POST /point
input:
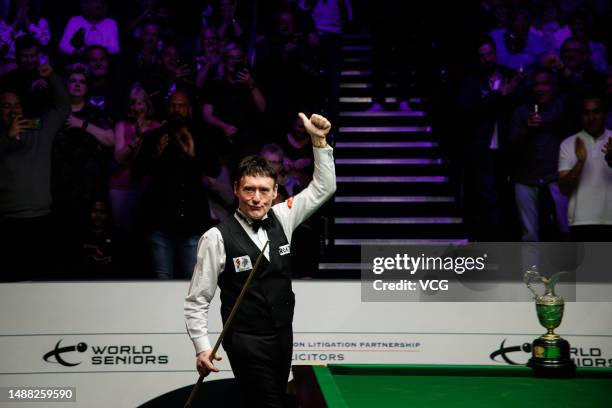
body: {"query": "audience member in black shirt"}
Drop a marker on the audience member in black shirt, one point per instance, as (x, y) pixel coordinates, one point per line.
(175, 157)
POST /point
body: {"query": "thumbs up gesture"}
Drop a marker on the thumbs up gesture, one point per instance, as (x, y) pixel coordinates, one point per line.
(317, 127)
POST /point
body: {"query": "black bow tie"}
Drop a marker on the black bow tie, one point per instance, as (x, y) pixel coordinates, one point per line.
(257, 224)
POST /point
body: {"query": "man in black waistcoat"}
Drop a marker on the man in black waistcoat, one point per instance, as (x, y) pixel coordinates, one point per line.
(259, 342)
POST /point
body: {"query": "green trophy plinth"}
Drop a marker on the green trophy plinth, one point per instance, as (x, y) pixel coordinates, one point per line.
(550, 352)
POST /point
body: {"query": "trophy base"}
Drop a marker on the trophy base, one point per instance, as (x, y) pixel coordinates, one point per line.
(551, 359)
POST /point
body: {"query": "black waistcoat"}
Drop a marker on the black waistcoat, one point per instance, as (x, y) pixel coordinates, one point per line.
(269, 301)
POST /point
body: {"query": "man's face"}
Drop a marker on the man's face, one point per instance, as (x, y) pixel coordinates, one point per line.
(275, 159)
(255, 195)
(98, 62)
(98, 214)
(574, 54)
(94, 9)
(170, 57)
(77, 85)
(593, 116)
(10, 104)
(299, 131)
(543, 88)
(150, 36)
(179, 105)
(488, 57)
(28, 59)
(285, 24)
(234, 58)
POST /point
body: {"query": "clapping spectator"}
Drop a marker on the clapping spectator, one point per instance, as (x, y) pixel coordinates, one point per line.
(175, 158)
(93, 27)
(126, 192)
(586, 177)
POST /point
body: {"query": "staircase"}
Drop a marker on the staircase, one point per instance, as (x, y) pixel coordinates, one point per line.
(393, 185)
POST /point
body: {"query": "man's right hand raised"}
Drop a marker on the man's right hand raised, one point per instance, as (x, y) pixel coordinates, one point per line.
(204, 363)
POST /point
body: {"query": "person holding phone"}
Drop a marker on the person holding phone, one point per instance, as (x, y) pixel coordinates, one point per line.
(234, 103)
(25, 165)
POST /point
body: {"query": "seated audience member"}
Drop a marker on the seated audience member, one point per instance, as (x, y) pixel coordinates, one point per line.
(25, 165)
(175, 158)
(517, 46)
(125, 192)
(81, 160)
(21, 19)
(93, 27)
(234, 104)
(586, 177)
(25, 79)
(536, 131)
(487, 98)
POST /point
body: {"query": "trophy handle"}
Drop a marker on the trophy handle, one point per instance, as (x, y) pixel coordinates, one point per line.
(532, 275)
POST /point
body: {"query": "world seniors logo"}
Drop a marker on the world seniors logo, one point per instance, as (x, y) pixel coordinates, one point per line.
(57, 352)
(503, 352)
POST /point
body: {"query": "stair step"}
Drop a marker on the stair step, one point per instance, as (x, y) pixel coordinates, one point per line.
(384, 114)
(385, 129)
(394, 199)
(368, 85)
(411, 161)
(398, 220)
(392, 179)
(356, 48)
(385, 145)
(356, 72)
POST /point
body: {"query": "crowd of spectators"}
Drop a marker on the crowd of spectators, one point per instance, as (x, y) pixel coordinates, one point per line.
(123, 122)
(114, 161)
(540, 81)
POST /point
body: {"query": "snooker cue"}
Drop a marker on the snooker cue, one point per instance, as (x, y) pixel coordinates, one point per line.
(227, 324)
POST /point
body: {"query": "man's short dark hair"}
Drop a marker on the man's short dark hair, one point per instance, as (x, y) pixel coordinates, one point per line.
(255, 166)
(25, 42)
(593, 96)
(96, 47)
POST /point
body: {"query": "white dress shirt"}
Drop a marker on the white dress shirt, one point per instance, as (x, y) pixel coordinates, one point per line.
(105, 33)
(211, 251)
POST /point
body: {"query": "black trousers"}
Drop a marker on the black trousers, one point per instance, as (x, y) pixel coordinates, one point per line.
(261, 365)
(591, 233)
